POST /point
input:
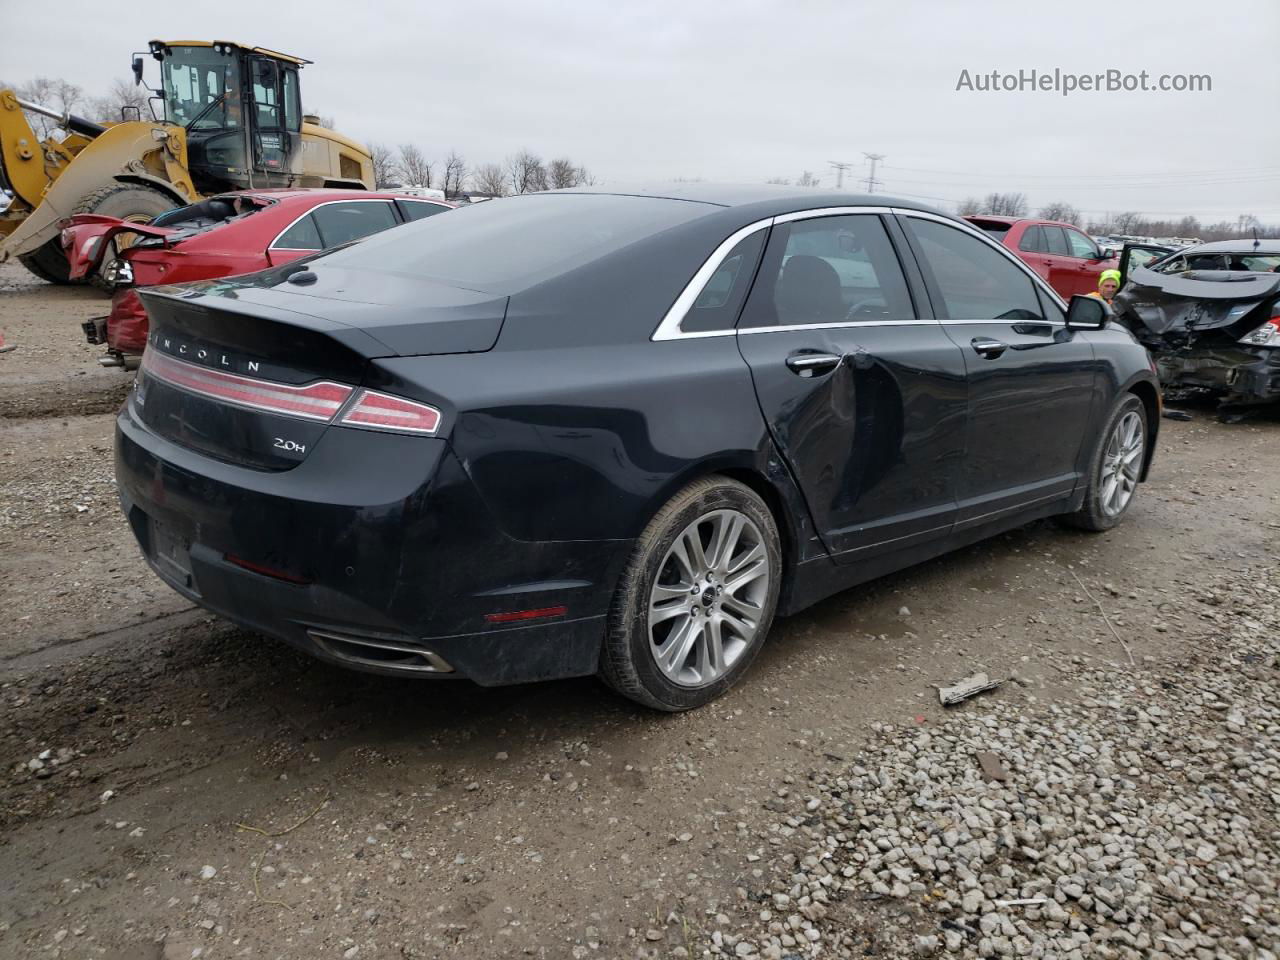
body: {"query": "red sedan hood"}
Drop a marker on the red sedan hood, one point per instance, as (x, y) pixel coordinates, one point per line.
(86, 236)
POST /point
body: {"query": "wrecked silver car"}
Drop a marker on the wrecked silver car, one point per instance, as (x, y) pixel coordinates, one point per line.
(1209, 314)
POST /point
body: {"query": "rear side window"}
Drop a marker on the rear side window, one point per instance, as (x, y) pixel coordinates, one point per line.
(721, 299)
(509, 244)
(418, 209)
(1032, 240)
(976, 281)
(343, 222)
(829, 270)
(1055, 242)
(303, 235)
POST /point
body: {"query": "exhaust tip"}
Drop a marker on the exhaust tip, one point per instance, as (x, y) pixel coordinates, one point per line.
(379, 652)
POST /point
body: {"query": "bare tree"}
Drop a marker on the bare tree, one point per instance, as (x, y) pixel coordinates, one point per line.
(561, 173)
(1006, 204)
(455, 173)
(491, 179)
(413, 166)
(970, 206)
(525, 172)
(1061, 211)
(120, 95)
(384, 164)
(51, 92)
(1126, 222)
(584, 177)
(780, 181)
(807, 179)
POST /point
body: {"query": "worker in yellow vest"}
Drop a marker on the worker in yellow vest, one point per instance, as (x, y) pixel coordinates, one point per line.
(1108, 284)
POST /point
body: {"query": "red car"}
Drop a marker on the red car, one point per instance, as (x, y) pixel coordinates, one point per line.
(1062, 254)
(229, 234)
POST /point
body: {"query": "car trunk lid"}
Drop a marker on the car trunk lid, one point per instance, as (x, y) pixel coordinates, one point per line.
(1196, 300)
(86, 238)
(243, 373)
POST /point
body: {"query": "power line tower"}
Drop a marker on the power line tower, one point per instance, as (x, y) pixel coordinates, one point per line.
(840, 168)
(871, 180)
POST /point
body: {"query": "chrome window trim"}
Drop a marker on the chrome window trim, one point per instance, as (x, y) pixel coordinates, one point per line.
(311, 210)
(669, 328)
(981, 235)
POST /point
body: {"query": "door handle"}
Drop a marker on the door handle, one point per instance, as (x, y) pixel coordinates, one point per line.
(813, 364)
(988, 348)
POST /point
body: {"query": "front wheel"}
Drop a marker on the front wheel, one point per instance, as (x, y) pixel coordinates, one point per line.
(697, 597)
(1115, 468)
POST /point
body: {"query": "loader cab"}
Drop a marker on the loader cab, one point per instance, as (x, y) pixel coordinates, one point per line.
(241, 108)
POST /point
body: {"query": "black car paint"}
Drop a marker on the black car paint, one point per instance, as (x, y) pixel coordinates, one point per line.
(1192, 322)
(562, 439)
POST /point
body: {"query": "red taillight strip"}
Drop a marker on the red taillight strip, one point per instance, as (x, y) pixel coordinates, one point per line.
(316, 401)
(381, 410)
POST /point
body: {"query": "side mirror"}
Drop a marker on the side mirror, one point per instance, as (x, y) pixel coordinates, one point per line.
(137, 71)
(1088, 313)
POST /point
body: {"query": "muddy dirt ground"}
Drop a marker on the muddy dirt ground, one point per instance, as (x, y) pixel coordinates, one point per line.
(200, 791)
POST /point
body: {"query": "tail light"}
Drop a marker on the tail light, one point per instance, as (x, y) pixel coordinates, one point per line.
(315, 401)
(1267, 335)
(382, 411)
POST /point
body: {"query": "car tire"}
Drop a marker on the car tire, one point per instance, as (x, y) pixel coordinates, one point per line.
(49, 262)
(716, 593)
(1118, 457)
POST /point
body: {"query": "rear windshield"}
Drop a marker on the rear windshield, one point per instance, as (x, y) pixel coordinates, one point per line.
(506, 245)
(992, 228)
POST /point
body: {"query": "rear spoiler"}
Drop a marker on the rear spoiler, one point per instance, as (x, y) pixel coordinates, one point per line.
(86, 236)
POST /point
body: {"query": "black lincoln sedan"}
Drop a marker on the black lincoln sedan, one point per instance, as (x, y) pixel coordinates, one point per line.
(584, 432)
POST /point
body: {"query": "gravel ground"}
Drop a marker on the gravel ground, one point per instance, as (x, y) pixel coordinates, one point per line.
(1140, 821)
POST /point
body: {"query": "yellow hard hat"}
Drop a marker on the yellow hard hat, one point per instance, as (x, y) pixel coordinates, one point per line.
(1109, 275)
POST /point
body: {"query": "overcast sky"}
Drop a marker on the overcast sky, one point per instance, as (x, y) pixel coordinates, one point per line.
(751, 89)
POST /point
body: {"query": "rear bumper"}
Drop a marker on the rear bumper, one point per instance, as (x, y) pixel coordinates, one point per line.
(383, 558)
(1244, 374)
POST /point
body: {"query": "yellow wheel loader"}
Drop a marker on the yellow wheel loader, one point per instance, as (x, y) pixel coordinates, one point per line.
(232, 119)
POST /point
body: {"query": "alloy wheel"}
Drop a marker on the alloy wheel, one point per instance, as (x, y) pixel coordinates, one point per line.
(706, 605)
(1121, 464)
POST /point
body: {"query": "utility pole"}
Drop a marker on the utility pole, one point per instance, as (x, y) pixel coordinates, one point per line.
(871, 179)
(841, 167)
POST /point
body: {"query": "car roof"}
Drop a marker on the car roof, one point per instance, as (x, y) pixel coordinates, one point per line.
(324, 193)
(1244, 245)
(771, 198)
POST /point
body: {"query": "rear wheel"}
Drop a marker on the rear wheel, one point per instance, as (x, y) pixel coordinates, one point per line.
(697, 597)
(1115, 468)
(127, 201)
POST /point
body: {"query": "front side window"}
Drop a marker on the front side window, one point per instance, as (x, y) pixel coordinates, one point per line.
(1081, 246)
(976, 281)
(829, 270)
(343, 222)
(717, 305)
(292, 101)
